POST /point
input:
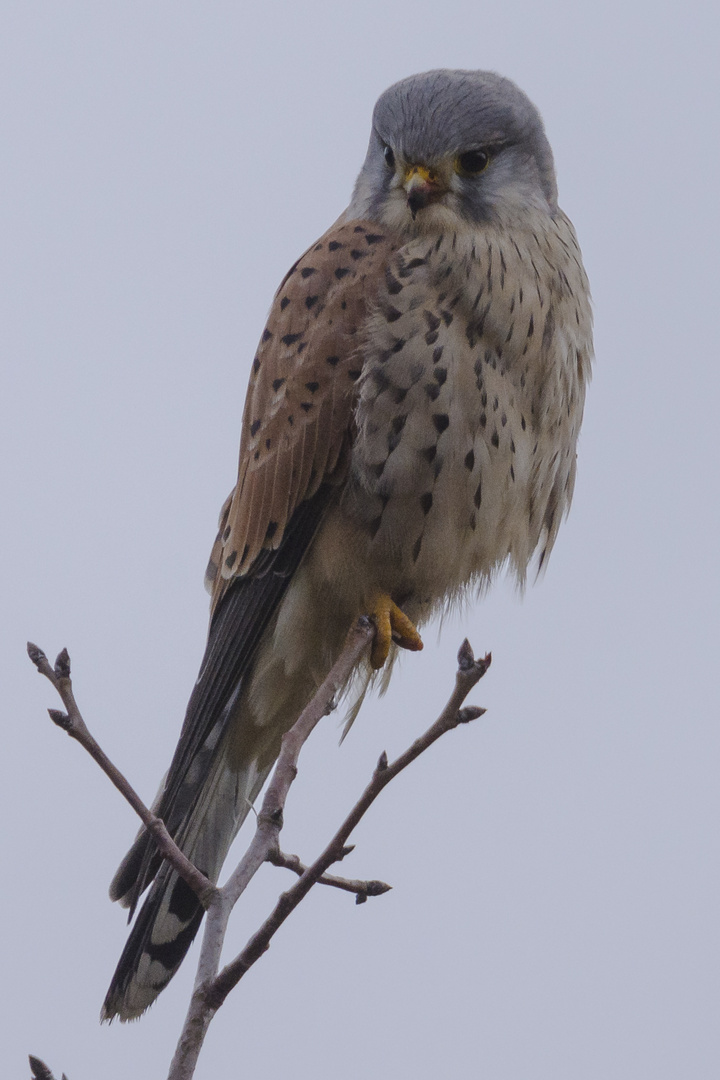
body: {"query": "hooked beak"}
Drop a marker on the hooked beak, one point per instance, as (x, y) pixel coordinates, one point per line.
(423, 187)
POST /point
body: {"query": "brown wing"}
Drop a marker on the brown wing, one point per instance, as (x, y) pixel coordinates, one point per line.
(298, 412)
(298, 418)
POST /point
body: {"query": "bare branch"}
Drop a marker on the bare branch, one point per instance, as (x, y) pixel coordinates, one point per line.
(469, 672)
(270, 818)
(73, 723)
(265, 840)
(212, 988)
(362, 889)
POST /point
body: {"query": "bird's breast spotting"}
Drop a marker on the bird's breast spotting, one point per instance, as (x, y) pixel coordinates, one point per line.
(410, 425)
(470, 403)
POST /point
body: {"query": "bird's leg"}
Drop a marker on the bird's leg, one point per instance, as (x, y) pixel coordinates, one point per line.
(392, 625)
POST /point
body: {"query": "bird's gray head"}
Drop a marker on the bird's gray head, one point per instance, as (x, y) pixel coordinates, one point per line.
(454, 147)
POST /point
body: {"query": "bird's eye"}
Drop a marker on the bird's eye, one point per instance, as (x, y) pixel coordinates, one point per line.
(472, 162)
(389, 157)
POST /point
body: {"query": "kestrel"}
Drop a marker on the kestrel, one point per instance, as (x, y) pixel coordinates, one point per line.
(410, 426)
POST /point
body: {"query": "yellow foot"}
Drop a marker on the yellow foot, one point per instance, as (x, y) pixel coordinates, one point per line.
(392, 625)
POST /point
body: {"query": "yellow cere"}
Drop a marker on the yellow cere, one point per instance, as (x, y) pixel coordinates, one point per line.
(420, 174)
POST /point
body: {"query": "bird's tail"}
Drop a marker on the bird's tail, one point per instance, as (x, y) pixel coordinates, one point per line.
(171, 914)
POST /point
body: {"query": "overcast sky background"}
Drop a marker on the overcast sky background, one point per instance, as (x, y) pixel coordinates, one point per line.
(556, 901)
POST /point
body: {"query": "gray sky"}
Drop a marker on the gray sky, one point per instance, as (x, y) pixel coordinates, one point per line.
(554, 914)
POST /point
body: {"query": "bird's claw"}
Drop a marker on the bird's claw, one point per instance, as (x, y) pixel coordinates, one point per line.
(391, 624)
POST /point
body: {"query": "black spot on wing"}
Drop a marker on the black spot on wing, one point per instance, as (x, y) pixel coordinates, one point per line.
(392, 283)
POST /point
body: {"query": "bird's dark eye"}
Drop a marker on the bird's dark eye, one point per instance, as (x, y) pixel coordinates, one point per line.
(472, 162)
(389, 157)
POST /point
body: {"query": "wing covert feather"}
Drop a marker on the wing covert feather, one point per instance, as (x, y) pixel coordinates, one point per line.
(299, 408)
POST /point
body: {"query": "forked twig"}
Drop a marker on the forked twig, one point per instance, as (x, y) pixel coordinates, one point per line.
(362, 889)
(72, 722)
(212, 989)
(211, 985)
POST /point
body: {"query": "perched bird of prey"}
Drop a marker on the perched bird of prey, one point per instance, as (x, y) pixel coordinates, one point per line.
(410, 426)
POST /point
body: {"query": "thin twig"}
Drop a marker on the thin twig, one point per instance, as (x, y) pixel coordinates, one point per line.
(212, 988)
(211, 991)
(469, 672)
(265, 840)
(362, 889)
(73, 723)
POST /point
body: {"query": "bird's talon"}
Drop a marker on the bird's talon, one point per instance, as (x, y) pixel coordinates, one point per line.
(391, 624)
